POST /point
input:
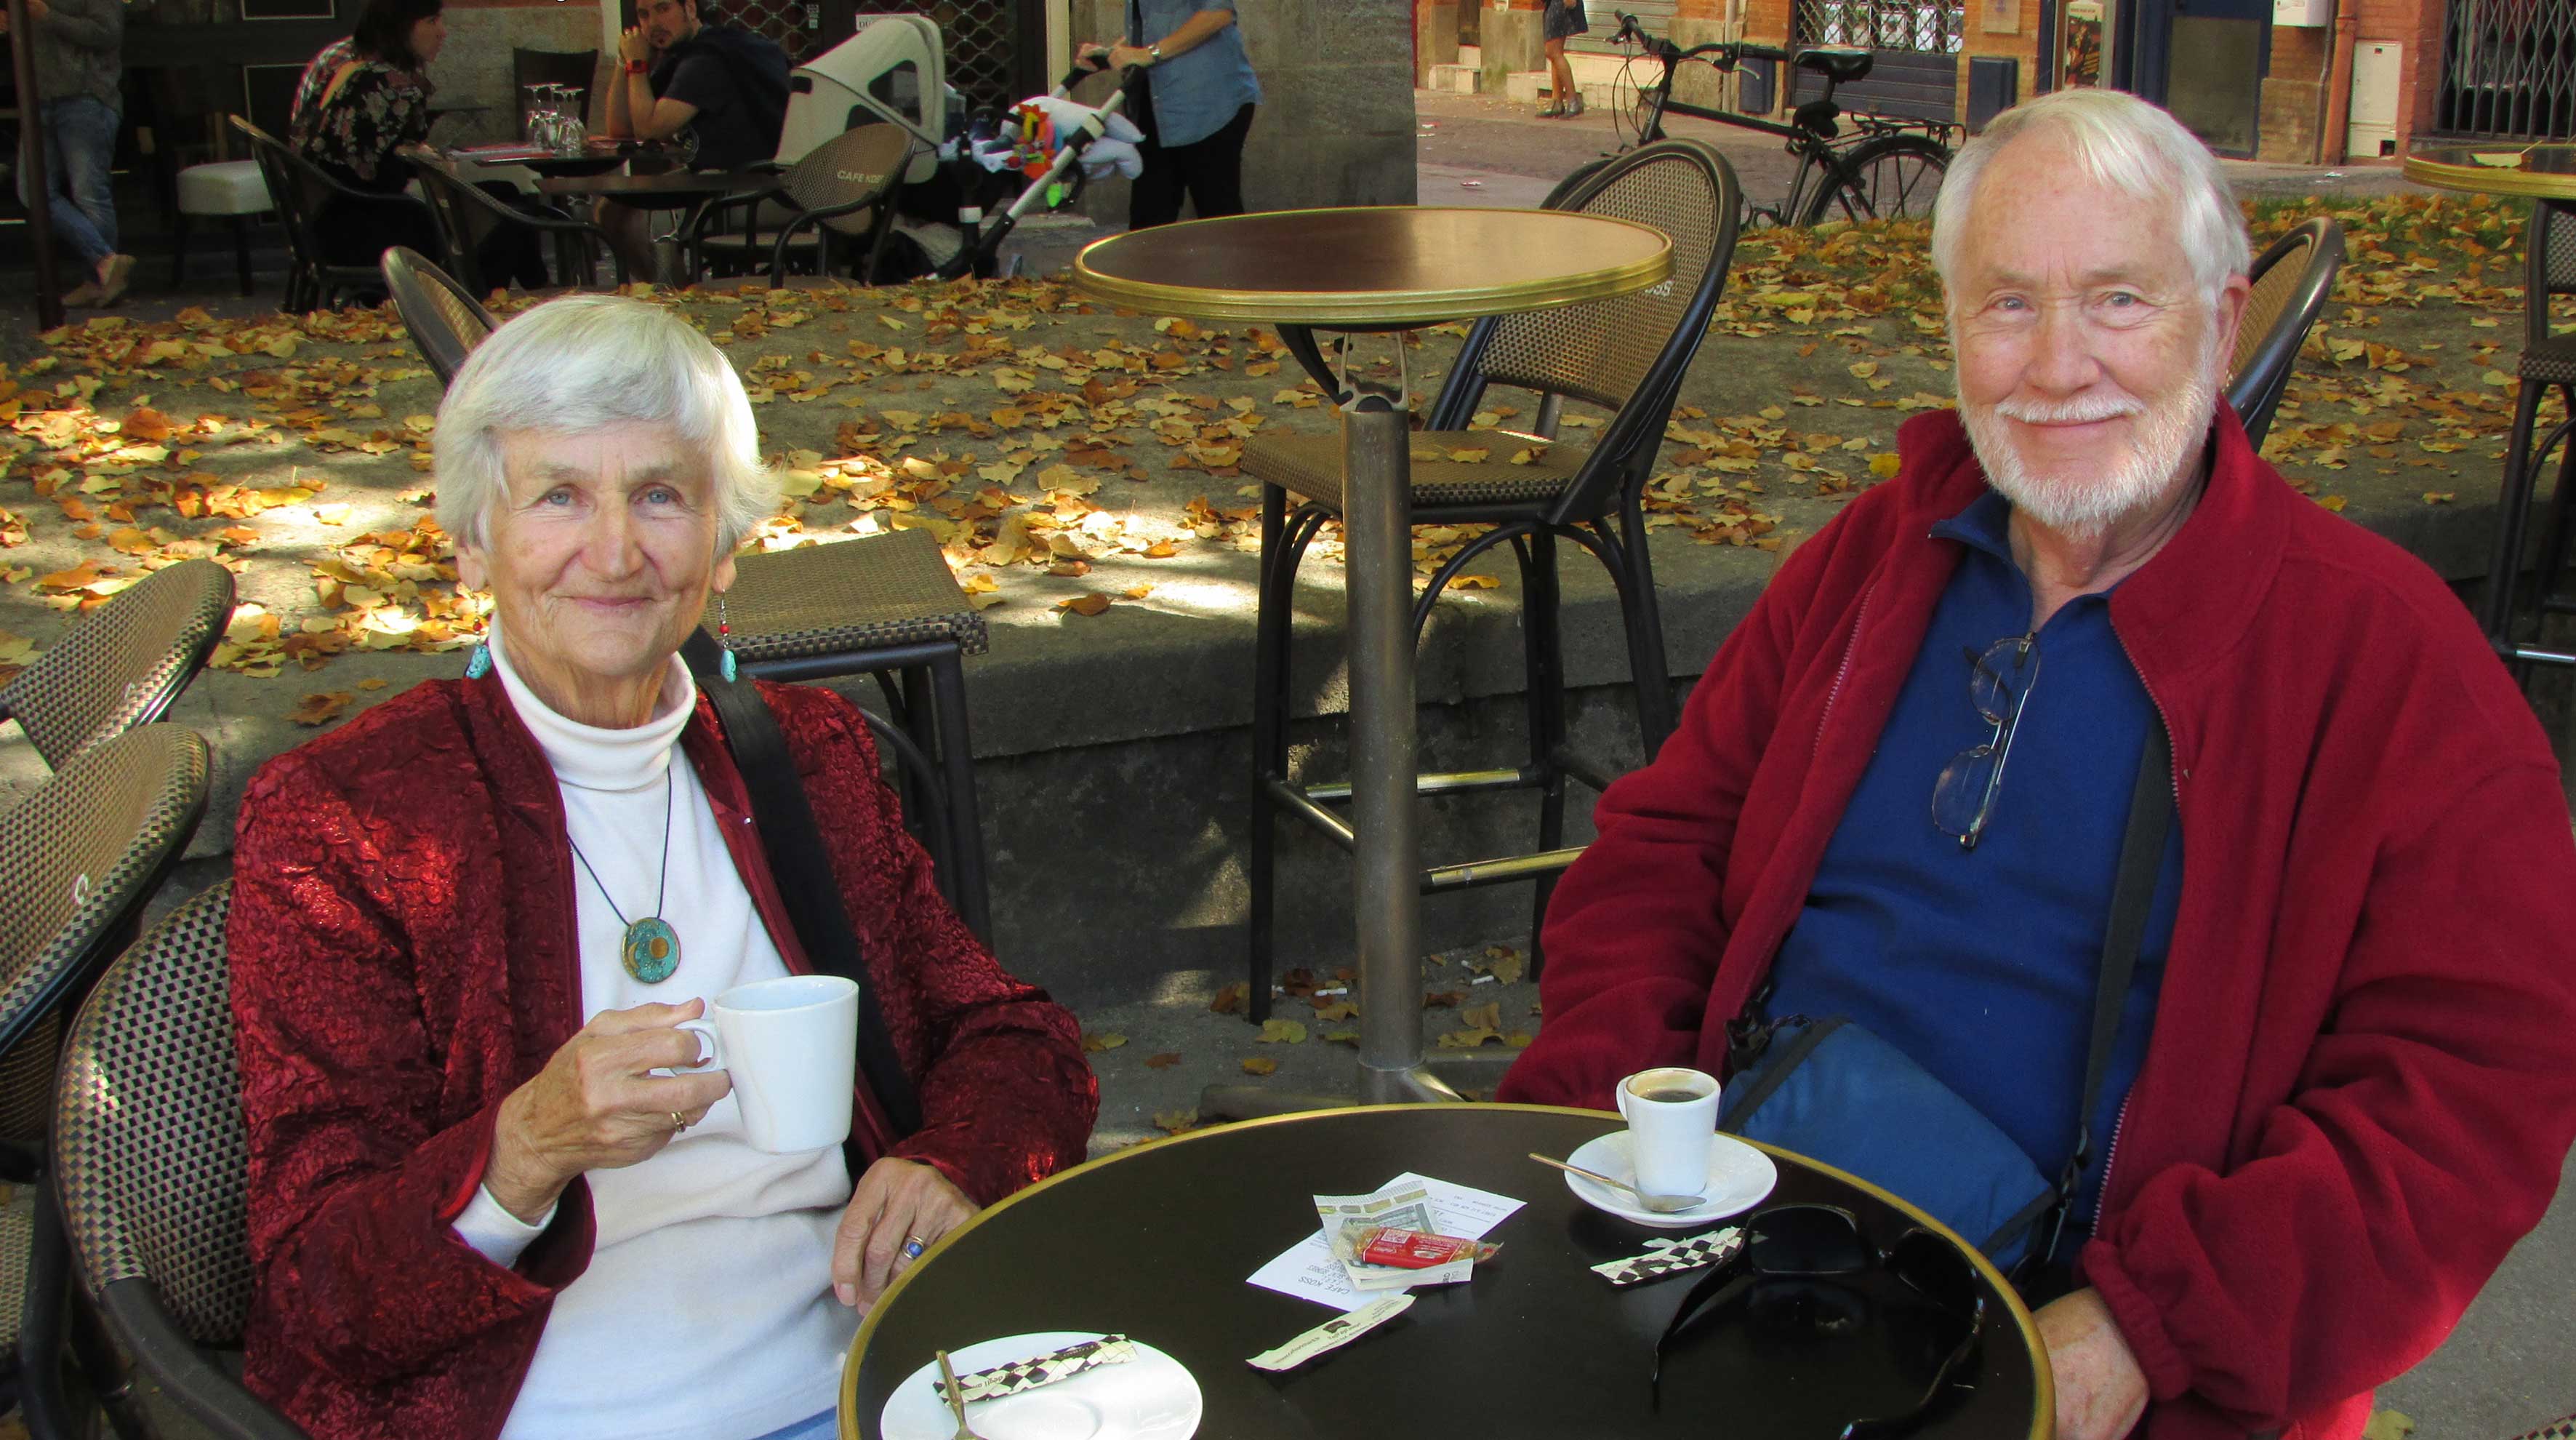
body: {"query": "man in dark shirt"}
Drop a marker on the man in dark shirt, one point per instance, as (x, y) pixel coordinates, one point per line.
(718, 92)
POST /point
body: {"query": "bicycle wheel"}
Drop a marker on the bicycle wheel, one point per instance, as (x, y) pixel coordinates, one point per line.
(1882, 178)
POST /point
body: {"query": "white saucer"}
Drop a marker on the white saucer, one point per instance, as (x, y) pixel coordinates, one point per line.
(1738, 1177)
(1151, 1397)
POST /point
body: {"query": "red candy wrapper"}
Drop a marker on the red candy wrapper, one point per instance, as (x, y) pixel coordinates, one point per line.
(1410, 1249)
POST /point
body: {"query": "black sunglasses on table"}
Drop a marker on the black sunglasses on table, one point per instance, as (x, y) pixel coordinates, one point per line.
(1822, 1242)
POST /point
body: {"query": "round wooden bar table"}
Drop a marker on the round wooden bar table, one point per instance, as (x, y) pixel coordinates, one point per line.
(2546, 176)
(1365, 269)
(1155, 1243)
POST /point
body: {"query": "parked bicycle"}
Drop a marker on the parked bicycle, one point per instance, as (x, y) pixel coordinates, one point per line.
(1875, 169)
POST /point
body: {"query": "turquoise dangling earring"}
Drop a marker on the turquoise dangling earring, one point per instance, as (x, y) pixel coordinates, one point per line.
(479, 664)
(724, 638)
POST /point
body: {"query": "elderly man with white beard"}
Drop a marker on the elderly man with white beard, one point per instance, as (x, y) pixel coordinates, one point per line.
(2340, 1079)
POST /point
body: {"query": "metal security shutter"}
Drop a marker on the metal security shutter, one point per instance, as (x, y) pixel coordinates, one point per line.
(1655, 15)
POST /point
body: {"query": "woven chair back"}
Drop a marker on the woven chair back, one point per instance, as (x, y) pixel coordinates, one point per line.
(445, 322)
(150, 1153)
(2549, 271)
(1600, 352)
(77, 860)
(2269, 300)
(124, 663)
(854, 167)
(462, 224)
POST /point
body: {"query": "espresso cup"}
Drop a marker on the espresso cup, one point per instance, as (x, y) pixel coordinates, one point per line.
(1672, 1122)
(792, 1047)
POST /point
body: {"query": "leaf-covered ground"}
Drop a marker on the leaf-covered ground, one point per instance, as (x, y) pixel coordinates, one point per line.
(1070, 458)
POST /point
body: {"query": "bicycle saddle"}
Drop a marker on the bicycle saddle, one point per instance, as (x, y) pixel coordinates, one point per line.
(1836, 63)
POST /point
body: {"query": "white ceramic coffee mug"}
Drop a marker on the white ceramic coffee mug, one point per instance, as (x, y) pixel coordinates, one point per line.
(791, 1045)
(1672, 1121)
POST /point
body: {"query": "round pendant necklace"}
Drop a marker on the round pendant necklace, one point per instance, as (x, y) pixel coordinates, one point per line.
(650, 949)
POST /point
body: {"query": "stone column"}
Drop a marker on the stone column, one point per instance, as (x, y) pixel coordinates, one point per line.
(1515, 42)
(1435, 30)
(1702, 22)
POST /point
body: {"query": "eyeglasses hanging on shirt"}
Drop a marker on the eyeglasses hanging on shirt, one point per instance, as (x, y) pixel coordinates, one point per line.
(1999, 683)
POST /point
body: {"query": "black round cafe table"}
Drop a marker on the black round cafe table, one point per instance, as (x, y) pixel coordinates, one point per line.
(660, 189)
(1155, 1242)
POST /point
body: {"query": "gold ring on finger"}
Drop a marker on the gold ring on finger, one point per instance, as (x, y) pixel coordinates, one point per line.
(678, 1124)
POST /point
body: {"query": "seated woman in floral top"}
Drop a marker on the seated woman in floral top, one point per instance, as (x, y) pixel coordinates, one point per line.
(371, 106)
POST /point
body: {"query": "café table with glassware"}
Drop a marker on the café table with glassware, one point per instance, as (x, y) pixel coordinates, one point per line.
(1408, 1270)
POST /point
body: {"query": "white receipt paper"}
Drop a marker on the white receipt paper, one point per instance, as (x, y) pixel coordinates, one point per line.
(1308, 1270)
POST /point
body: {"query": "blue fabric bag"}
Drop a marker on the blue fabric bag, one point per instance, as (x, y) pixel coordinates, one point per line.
(1832, 1091)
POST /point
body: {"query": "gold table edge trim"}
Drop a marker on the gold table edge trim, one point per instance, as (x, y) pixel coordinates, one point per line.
(2490, 179)
(1324, 308)
(2043, 1419)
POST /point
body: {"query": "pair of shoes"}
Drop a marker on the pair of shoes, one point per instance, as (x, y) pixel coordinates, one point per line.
(114, 277)
(83, 295)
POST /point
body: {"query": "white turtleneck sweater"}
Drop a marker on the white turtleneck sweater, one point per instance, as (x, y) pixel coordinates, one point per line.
(707, 1311)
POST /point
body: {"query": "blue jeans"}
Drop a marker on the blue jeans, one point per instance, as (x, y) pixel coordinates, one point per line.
(813, 1427)
(80, 145)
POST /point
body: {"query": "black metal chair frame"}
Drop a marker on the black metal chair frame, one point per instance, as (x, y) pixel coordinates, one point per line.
(48, 1322)
(2548, 362)
(2254, 390)
(191, 646)
(133, 1306)
(313, 282)
(452, 197)
(416, 286)
(1612, 480)
(884, 201)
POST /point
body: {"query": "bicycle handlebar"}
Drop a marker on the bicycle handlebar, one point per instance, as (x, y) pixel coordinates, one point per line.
(1722, 54)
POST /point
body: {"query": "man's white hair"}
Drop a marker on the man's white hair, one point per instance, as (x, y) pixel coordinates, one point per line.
(587, 363)
(2121, 141)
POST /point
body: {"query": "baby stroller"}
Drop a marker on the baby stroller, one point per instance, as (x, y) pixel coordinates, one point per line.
(893, 70)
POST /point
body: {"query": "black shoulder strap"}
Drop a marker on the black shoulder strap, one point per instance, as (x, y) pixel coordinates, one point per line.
(2133, 895)
(799, 863)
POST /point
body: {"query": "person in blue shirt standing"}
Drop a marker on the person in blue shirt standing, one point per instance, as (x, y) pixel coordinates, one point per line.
(1193, 96)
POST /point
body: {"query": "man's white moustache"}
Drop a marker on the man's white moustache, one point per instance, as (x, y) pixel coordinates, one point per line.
(2071, 412)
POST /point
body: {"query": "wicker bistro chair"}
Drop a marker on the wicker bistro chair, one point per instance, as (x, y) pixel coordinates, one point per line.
(2548, 363)
(124, 664)
(153, 1155)
(1627, 354)
(302, 189)
(445, 322)
(885, 605)
(468, 215)
(78, 860)
(2291, 282)
(844, 188)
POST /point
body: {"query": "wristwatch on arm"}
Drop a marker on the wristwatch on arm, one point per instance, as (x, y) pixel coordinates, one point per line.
(1155, 50)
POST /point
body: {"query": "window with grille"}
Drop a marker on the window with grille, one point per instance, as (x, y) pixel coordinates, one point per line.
(2509, 69)
(1926, 27)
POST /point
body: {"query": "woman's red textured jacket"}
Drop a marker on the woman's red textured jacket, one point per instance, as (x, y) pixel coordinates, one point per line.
(403, 956)
(2362, 1078)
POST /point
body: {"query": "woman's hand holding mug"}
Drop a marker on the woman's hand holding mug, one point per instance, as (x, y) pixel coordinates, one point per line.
(598, 1105)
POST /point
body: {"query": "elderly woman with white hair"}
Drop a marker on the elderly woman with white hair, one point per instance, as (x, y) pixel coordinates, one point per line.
(481, 1201)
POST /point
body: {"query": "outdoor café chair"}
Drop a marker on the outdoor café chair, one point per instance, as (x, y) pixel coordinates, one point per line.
(882, 605)
(1627, 355)
(467, 215)
(2547, 364)
(446, 322)
(302, 189)
(844, 188)
(123, 664)
(78, 859)
(2291, 282)
(153, 1167)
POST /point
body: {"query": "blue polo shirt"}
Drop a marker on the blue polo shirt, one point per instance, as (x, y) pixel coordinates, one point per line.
(1981, 964)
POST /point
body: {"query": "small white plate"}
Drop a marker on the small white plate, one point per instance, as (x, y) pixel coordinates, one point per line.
(1738, 1177)
(1151, 1397)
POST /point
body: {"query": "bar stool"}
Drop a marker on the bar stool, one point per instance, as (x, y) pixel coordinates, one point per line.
(231, 190)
